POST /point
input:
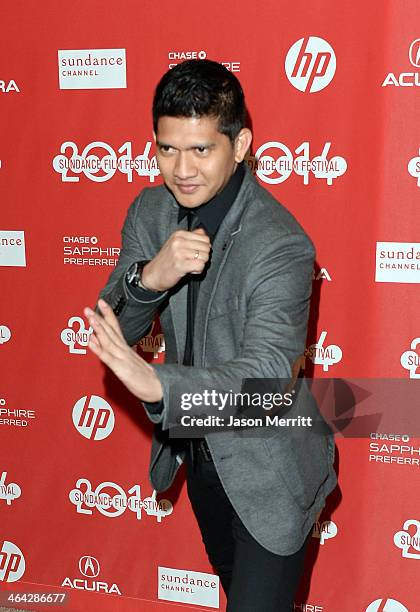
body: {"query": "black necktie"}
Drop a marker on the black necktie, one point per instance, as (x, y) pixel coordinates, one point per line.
(193, 286)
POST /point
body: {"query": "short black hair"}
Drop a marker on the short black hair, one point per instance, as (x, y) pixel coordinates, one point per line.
(201, 88)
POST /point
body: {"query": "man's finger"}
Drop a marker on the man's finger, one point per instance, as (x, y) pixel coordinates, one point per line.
(110, 318)
(94, 340)
(198, 234)
(113, 329)
(100, 352)
(196, 244)
(107, 337)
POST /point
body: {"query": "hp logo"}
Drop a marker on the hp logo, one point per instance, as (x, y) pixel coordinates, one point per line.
(93, 418)
(12, 562)
(310, 64)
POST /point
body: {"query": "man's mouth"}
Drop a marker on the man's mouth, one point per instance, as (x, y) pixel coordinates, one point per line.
(187, 189)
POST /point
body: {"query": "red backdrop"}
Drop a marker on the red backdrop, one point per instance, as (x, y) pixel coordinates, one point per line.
(332, 90)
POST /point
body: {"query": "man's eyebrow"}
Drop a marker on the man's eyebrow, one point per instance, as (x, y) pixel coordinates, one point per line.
(198, 145)
(163, 144)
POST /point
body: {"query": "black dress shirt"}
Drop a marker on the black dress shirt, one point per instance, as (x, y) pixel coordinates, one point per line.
(212, 213)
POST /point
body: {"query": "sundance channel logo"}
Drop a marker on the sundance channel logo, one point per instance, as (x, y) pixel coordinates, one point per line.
(187, 586)
(92, 69)
(12, 248)
(397, 262)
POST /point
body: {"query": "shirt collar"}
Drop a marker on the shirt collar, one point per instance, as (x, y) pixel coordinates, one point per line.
(212, 213)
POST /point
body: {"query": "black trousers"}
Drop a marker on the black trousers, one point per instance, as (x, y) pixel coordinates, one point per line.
(253, 578)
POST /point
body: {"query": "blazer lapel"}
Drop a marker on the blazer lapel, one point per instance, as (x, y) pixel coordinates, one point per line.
(228, 230)
(208, 289)
(178, 299)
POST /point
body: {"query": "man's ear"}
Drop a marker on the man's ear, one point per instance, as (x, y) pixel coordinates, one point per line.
(242, 144)
(154, 136)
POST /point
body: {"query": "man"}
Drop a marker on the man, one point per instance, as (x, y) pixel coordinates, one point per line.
(228, 269)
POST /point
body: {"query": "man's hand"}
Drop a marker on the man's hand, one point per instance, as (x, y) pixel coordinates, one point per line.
(108, 343)
(183, 253)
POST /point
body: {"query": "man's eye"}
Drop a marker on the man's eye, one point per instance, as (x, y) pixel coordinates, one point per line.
(165, 148)
(201, 150)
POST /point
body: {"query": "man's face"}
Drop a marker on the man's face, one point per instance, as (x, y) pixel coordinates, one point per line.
(195, 159)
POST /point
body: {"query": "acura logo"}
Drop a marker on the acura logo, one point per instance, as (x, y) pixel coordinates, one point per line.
(89, 567)
(414, 53)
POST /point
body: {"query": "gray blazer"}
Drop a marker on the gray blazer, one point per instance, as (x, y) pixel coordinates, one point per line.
(251, 322)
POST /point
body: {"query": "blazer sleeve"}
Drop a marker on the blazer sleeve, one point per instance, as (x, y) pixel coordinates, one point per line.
(135, 309)
(278, 283)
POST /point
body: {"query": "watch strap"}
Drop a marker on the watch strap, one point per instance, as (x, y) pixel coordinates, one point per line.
(134, 275)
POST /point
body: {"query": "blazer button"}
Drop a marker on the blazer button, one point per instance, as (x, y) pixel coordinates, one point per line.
(119, 306)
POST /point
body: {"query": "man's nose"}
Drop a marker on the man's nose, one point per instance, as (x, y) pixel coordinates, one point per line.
(185, 166)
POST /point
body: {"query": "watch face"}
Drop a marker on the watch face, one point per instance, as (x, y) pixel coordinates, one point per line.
(132, 272)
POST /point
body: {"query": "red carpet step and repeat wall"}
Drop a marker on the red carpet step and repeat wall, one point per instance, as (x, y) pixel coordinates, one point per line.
(333, 95)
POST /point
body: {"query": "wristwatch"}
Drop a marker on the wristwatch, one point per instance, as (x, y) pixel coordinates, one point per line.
(134, 273)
